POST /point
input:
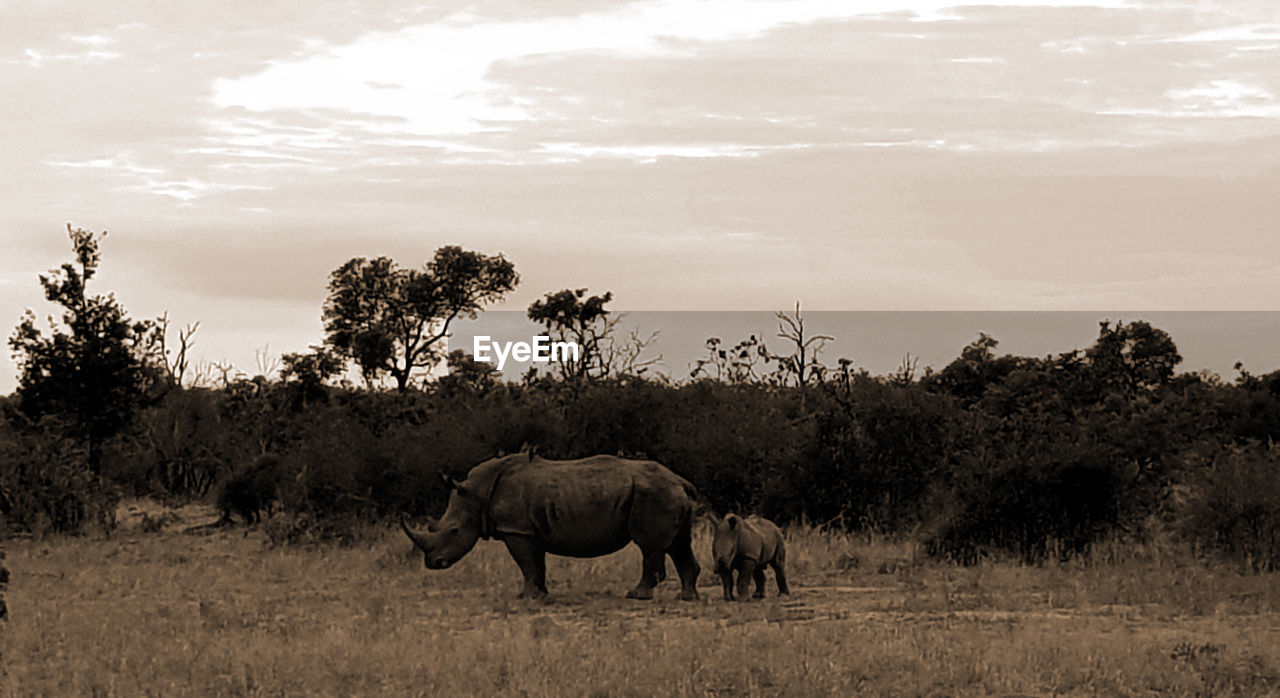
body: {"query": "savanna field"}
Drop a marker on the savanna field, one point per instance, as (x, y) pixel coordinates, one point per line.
(167, 613)
(1085, 523)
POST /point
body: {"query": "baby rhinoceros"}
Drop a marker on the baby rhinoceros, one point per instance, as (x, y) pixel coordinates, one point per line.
(746, 545)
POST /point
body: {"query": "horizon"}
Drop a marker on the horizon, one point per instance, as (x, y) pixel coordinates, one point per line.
(876, 341)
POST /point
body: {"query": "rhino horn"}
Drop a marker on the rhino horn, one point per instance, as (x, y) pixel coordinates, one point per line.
(418, 540)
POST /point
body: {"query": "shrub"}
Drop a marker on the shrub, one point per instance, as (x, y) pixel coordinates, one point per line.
(252, 490)
(45, 483)
(1234, 506)
(1042, 500)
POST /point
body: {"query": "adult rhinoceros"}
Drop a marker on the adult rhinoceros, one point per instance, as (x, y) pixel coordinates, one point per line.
(579, 508)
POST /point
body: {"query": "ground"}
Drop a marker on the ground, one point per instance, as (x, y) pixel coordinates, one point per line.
(165, 613)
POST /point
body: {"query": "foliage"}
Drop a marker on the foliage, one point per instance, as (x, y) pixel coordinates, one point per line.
(44, 485)
(179, 445)
(744, 362)
(1133, 357)
(1040, 457)
(882, 449)
(252, 491)
(388, 319)
(306, 374)
(1234, 505)
(466, 376)
(94, 369)
(587, 324)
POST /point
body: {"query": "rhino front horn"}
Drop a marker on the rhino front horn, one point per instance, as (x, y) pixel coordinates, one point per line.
(413, 535)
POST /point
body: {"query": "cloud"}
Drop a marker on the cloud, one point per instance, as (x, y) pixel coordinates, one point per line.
(1244, 33)
(441, 71)
(1216, 99)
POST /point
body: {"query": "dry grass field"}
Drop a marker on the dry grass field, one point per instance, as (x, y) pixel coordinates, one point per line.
(171, 614)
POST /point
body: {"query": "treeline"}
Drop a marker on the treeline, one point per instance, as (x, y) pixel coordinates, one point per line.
(1035, 456)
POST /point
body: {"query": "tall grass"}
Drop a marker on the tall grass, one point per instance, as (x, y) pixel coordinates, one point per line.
(169, 614)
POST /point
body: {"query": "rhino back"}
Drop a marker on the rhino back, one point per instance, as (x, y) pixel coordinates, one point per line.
(770, 537)
(583, 507)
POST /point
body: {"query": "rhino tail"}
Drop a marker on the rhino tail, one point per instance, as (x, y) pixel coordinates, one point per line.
(701, 508)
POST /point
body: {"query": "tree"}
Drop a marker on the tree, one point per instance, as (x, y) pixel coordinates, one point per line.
(388, 319)
(1132, 357)
(734, 365)
(977, 369)
(466, 376)
(306, 374)
(92, 372)
(176, 367)
(801, 365)
(567, 318)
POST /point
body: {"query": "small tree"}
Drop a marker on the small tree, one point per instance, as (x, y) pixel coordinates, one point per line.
(306, 374)
(801, 366)
(91, 373)
(466, 376)
(389, 320)
(1132, 357)
(733, 365)
(567, 317)
(175, 362)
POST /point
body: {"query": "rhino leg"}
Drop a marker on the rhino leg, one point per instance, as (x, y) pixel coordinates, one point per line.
(660, 523)
(653, 562)
(781, 577)
(726, 581)
(533, 565)
(681, 552)
(759, 579)
(745, 575)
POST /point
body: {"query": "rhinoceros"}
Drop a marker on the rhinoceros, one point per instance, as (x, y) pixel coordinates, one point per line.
(746, 545)
(577, 508)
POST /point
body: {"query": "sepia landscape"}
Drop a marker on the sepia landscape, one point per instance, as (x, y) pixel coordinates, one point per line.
(641, 348)
(1091, 522)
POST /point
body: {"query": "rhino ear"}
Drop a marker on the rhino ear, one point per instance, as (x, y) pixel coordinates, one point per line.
(732, 520)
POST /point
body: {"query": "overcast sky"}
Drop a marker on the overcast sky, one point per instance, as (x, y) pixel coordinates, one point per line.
(728, 154)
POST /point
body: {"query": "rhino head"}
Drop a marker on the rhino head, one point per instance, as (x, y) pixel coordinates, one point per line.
(444, 542)
(724, 546)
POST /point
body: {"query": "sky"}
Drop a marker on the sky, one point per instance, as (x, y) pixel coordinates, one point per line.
(1055, 155)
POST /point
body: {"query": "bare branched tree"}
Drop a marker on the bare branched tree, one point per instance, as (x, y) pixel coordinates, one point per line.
(906, 371)
(202, 374)
(626, 357)
(226, 372)
(267, 363)
(801, 365)
(176, 361)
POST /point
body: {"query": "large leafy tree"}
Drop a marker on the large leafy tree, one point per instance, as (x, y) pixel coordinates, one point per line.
(389, 320)
(1133, 357)
(91, 372)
